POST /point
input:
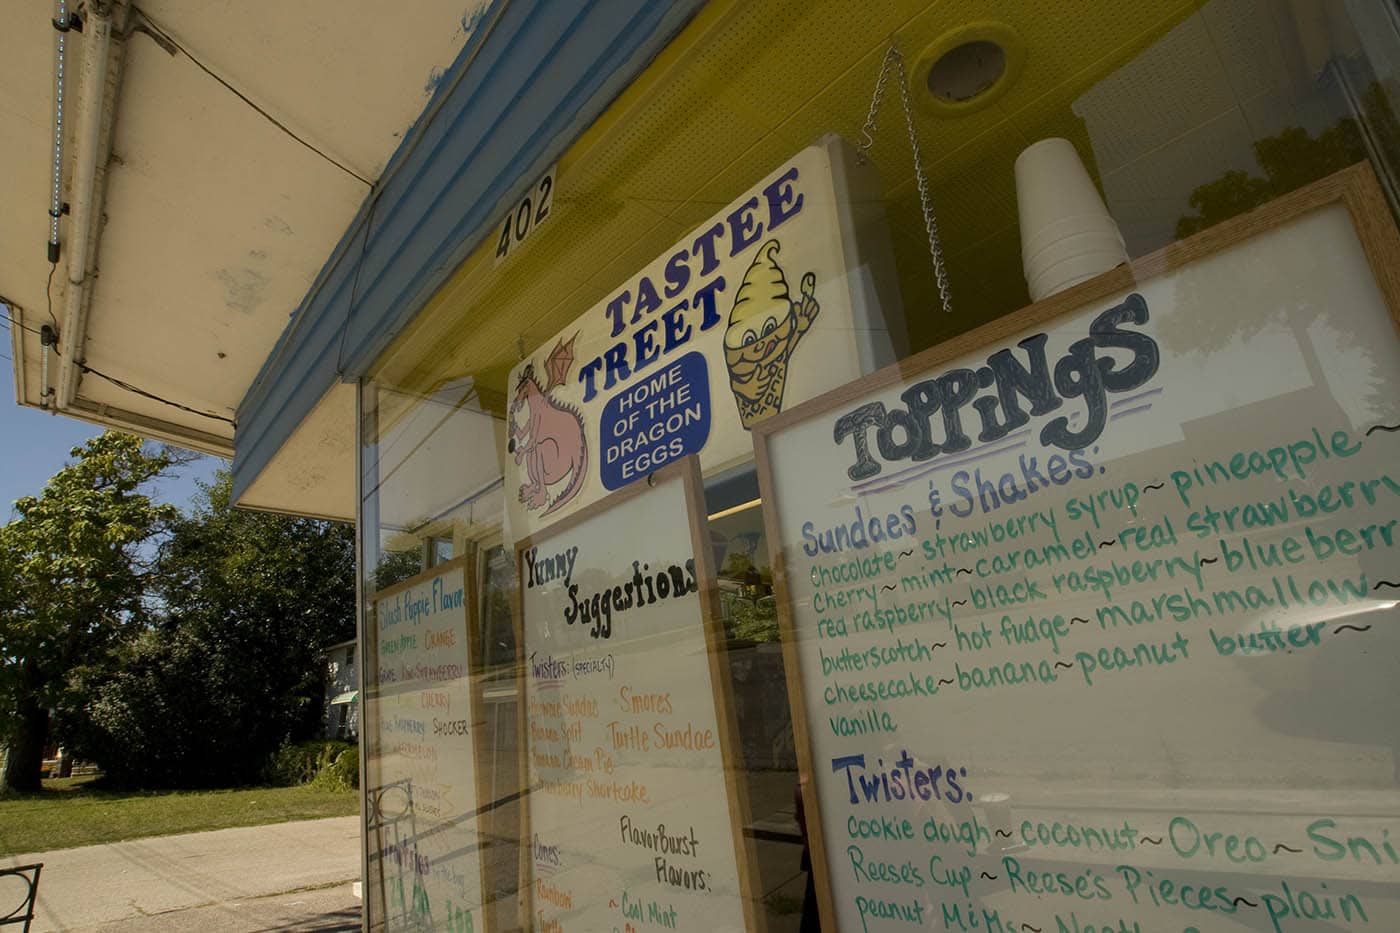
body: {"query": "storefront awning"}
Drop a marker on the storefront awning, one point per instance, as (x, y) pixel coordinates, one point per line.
(495, 125)
(276, 139)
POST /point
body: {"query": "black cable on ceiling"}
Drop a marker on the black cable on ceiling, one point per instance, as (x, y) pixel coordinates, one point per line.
(8, 305)
(21, 326)
(355, 287)
(48, 295)
(160, 33)
(362, 221)
(123, 384)
(119, 383)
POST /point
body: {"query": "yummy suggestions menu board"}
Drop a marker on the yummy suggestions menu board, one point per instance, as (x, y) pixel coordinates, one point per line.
(423, 795)
(1090, 617)
(633, 818)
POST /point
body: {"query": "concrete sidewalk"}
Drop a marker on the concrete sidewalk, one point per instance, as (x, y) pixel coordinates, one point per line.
(286, 876)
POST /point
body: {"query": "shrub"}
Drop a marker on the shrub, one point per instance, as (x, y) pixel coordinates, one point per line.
(302, 762)
(163, 715)
(341, 774)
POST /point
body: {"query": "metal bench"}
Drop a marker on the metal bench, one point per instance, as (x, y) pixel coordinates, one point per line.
(29, 894)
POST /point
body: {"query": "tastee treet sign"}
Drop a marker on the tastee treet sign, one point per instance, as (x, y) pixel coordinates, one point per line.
(783, 294)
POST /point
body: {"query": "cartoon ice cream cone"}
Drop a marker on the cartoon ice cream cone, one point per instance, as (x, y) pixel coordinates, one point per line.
(765, 326)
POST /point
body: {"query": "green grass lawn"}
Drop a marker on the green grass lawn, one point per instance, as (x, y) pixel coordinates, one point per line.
(74, 812)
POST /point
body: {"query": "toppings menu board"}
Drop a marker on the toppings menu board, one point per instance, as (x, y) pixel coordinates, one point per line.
(633, 812)
(1090, 615)
(422, 767)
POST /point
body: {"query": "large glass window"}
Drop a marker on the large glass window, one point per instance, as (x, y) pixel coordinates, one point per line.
(1117, 148)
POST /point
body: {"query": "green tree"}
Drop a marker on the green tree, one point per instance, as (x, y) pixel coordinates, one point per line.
(1290, 160)
(233, 666)
(72, 584)
(397, 566)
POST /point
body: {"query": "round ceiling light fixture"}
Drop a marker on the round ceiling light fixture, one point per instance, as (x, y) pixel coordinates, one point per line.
(967, 68)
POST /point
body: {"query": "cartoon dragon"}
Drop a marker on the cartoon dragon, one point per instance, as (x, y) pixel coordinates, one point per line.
(550, 443)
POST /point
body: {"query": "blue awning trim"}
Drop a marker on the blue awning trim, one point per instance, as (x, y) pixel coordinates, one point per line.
(517, 96)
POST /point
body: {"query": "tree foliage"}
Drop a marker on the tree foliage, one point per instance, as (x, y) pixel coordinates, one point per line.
(232, 666)
(396, 566)
(72, 584)
(1291, 159)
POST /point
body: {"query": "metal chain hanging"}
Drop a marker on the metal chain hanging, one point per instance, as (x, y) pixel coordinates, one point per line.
(894, 61)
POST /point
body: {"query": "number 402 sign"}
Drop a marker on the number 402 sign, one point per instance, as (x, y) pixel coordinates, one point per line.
(527, 215)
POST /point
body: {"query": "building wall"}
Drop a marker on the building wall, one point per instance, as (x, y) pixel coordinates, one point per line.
(342, 719)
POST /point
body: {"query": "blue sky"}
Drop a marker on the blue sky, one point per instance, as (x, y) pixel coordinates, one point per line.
(34, 445)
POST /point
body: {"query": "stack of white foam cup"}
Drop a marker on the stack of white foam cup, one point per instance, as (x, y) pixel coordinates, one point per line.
(1067, 235)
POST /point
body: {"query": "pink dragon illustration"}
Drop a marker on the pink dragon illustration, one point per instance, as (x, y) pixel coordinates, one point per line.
(550, 441)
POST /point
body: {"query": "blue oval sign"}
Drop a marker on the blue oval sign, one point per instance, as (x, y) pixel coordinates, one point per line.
(658, 420)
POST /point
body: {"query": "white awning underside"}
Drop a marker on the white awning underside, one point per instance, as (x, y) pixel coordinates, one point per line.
(211, 222)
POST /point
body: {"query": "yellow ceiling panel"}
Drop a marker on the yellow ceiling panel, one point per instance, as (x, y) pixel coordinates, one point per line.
(970, 193)
(746, 85)
(538, 305)
(986, 281)
(995, 264)
(634, 256)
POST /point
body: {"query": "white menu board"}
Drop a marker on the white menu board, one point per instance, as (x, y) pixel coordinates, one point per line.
(423, 803)
(1091, 617)
(633, 813)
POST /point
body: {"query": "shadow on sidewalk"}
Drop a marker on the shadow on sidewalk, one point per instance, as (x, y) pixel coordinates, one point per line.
(342, 921)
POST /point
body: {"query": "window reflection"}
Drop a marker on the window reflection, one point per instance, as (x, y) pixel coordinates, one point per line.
(1208, 113)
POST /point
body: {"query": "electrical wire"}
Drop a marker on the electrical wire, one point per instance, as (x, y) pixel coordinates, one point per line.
(244, 97)
(7, 305)
(421, 128)
(22, 326)
(123, 384)
(355, 286)
(48, 296)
